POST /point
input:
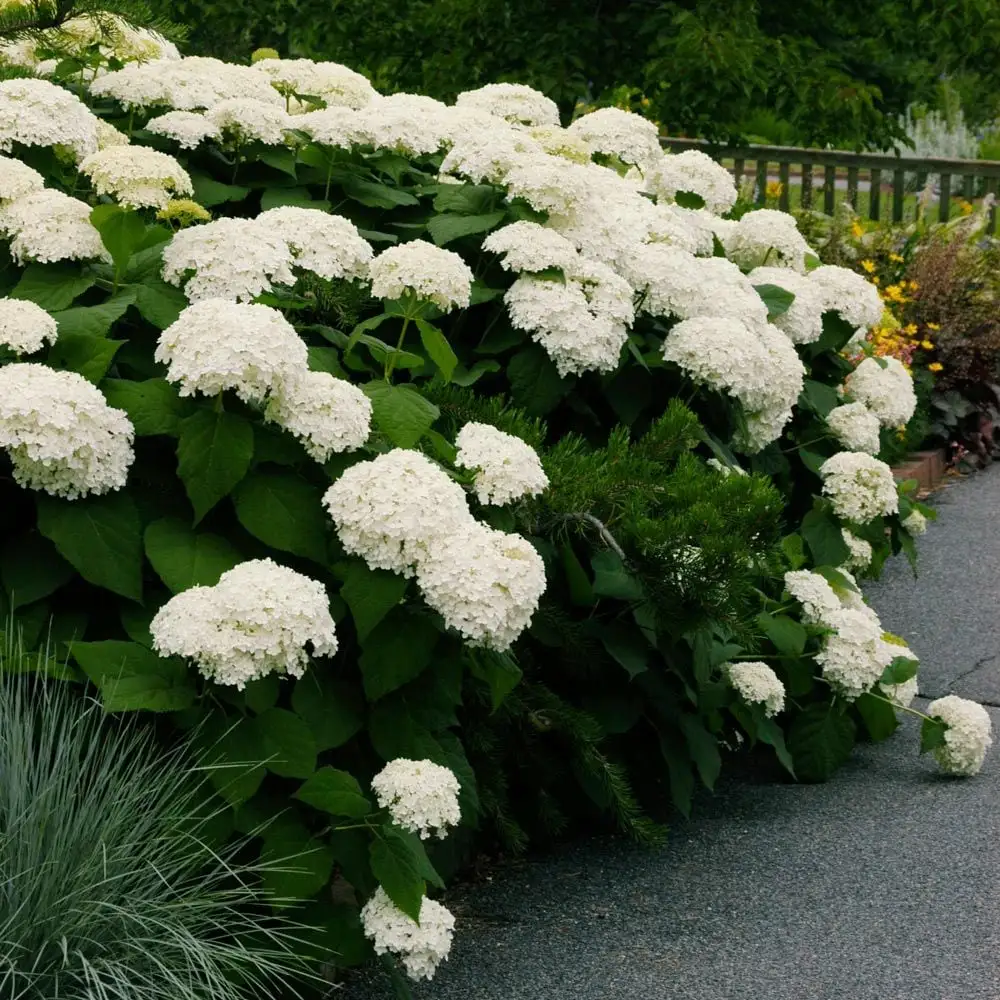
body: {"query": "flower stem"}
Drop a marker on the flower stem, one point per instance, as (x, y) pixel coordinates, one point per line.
(391, 360)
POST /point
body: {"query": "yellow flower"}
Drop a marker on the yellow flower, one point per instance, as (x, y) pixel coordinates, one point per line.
(914, 286)
(926, 345)
(935, 366)
(869, 266)
(965, 206)
(857, 230)
(774, 189)
(875, 279)
(933, 326)
(895, 258)
(910, 328)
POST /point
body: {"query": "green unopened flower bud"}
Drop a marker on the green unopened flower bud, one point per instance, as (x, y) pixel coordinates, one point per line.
(259, 54)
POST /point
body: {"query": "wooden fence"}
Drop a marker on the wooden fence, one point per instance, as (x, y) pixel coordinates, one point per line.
(887, 174)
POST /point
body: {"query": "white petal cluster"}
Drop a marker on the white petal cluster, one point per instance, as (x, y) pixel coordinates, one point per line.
(421, 947)
(548, 183)
(411, 124)
(614, 132)
(25, 327)
(247, 119)
(885, 387)
(60, 433)
(848, 294)
(514, 102)
(802, 322)
(136, 176)
(767, 238)
(486, 151)
(967, 738)
(17, 179)
(506, 467)
(562, 142)
(187, 128)
(227, 259)
(115, 37)
(38, 113)
(421, 796)
(327, 414)
(333, 126)
(757, 684)
(528, 246)
(860, 487)
(915, 523)
(48, 226)
(336, 84)
(854, 656)
(257, 620)
(108, 136)
(861, 551)
(428, 272)
(216, 344)
(813, 591)
(684, 228)
(327, 245)
(695, 172)
(855, 427)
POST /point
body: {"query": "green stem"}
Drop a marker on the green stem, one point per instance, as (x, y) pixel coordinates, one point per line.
(219, 408)
(236, 162)
(391, 360)
(329, 174)
(798, 447)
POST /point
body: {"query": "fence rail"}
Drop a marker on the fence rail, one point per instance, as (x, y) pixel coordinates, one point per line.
(886, 173)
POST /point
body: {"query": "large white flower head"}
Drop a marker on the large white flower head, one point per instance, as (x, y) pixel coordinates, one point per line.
(187, 128)
(854, 656)
(108, 136)
(17, 179)
(802, 321)
(915, 522)
(486, 151)
(411, 124)
(506, 467)
(421, 796)
(614, 132)
(559, 141)
(245, 119)
(216, 344)
(695, 172)
(136, 176)
(38, 113)
(767, 238)
(423, 270)
(885, 387)
(258, 619)
(485, 583)
(514, 102)
(25, 327)
(333, 126)
(549, 183)
(60, 433)
(48, 226)
(327, 414)
(967, 738)
(848, 294)
(337, 85)
(393, 510)
(813, 591)
(327, 245)
(856, 427)
(860, 487)
(227, 259)
(685, 228)
(861, 551)
(757, 684)
(528, 246)
(421, 947)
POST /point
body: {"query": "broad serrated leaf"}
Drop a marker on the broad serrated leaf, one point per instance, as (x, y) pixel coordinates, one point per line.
(31, 569)
(396, 651)
(335, 792)
(153, 405)
(535, 384)
(185, 558)
(284, 511)
(932, 734)
(92, 321)
(88, 356)
(770, 732)
(371, 594)
(332, 708)
(794, 549)
(689, 199)
(209, 192)
(901, 670)
(878, 715)
(400, 412)
(159, 303)
(819, 398)
(398, 870)
(612, 579)
(213, 456)
(131, 677)
(777, 299)
(53, 286)
(288, 743)
(788, 635)
(499, 671)
(376, 195)
(437, 346)
(825, 538)
(122, 231)
(820, 740)
(703, 748)
(448, 227)
(296, 864)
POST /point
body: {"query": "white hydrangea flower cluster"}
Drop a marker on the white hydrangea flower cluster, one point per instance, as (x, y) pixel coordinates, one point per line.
(861, 551)
(514, 102)
(108, 136)
(247, 119)
(767, 238)
(136, 176)
(328, 245)
(757, 684)
(968, 737)
(854, 656)
(421, 796)
(421, 269)
(856, 427)
(25, 327)
(187, 128)
(802, 321)
(885, 387)
(17, 179)
(411, 124)
(257, 620)
(333, 126)
(848, 294)
(60, 433)
(484, 149)
(506, 467)
(529, 246)
(813, 591)
(695, 172)
(561, 142)
(38, 113)
(421, 947)
(334, 83)
(685, 228)
(47, 226)
(623, 134)
(915, 523)
(860, 487)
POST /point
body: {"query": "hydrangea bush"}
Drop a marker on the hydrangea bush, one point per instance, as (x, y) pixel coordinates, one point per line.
(449, 470)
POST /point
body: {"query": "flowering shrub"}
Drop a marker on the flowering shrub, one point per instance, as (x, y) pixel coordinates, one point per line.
(390, 477)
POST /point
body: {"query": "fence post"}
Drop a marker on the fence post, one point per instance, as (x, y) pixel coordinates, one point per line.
(898, 193)
(829, 186)
(761, 181)
(852, 188)
(944, 202)
(738, 171)
(875, 194)
(783, 178)
(807, 185)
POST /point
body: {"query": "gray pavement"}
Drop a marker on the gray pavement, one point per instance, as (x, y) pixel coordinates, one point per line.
(883, 884)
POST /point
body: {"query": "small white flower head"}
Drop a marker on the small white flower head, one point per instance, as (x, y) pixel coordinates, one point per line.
(860, 487)
(915, 522)
(514, 102)
(486, 584)
(528, 246)
(17, 179)
(762, 427)
(336, 84)
(136, 176)
(258, 619)
(47, 226)
(886, 388)
(506, 467)
(327, 245)
(855, 427)
(411, 124)
(187, 128)
(614, 132)
(227, 259)
(861, 551)
(802, 321)
(25, 327)
(558, 141)
(108, 136)
(848, 294)
(38, 113)
(60, 433)
(549, 183)
(486, 153)
(244, 119)
(393, 510)
(854, 656)
(421, 947)
(902, 694)
(421, 796)
(968, 736)
(425, 271)
(327, 414)
(767, 238)
(813, 591)
(216, 345)
(695, 172)
(757, 684)
(333, 126)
